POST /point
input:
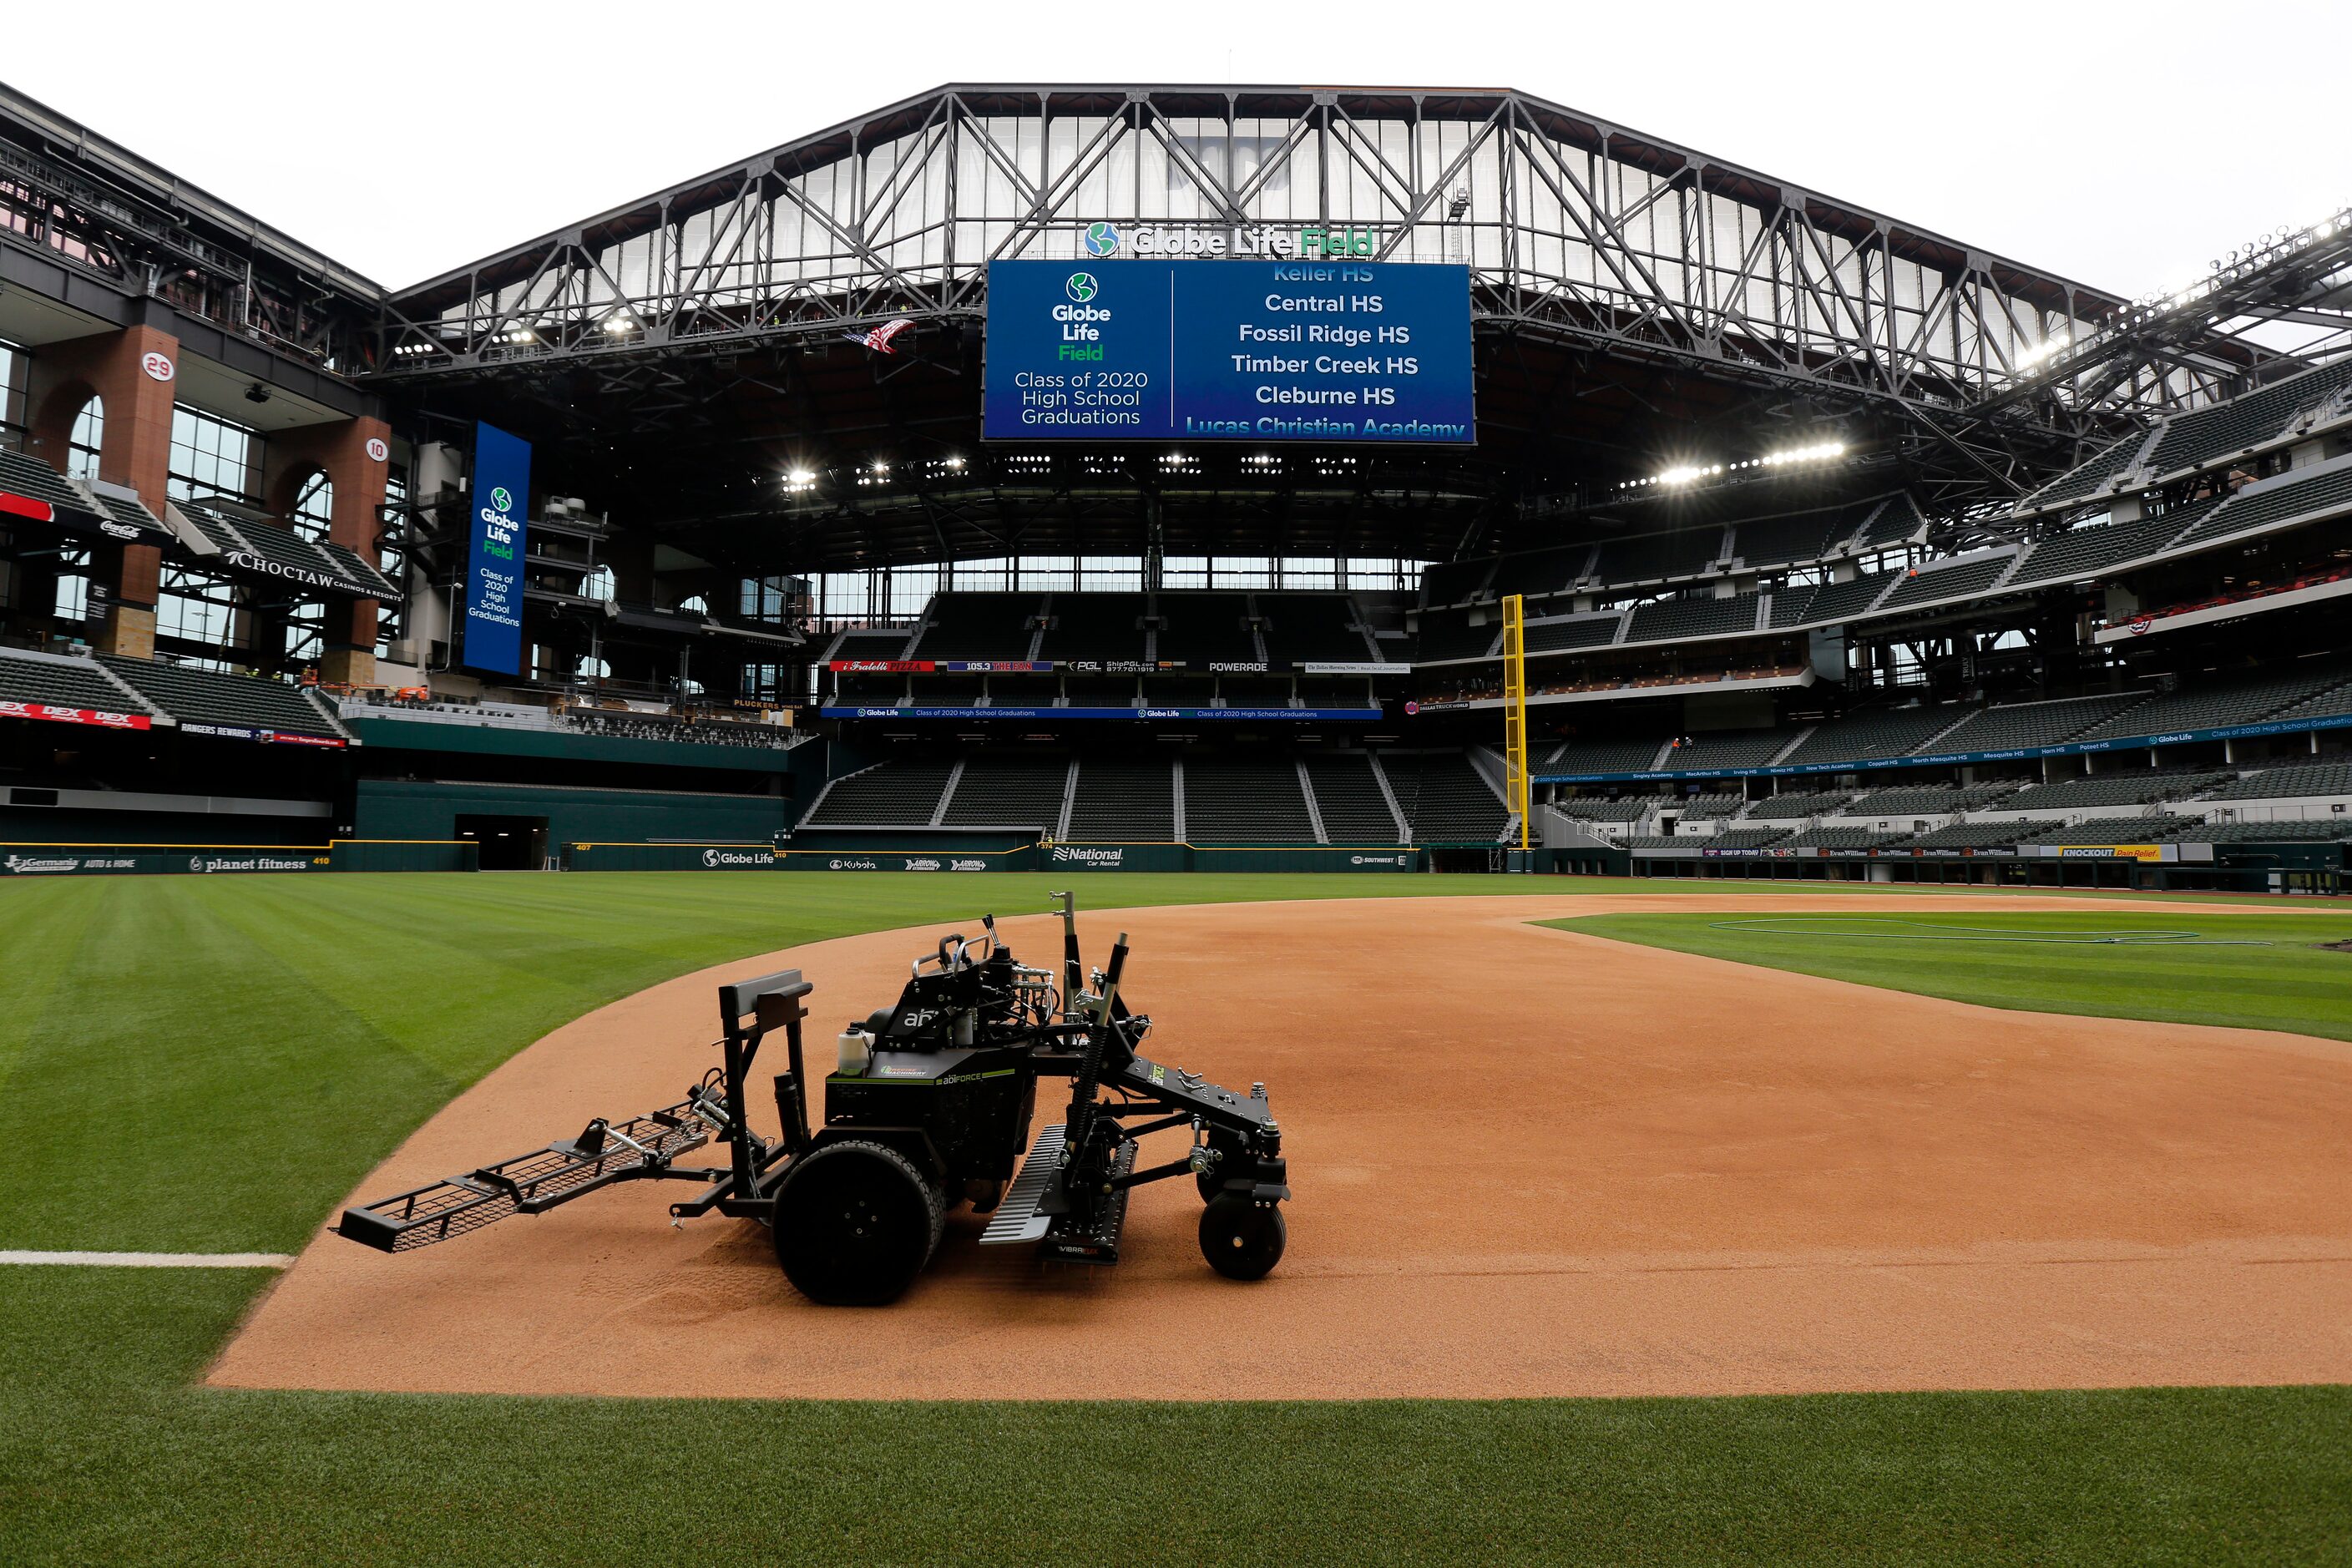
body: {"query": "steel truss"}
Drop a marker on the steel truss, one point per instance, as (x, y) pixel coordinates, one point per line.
(68, 195)
(1577, 231)
(2295, 279)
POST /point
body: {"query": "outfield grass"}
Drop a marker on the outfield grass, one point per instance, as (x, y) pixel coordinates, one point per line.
(277, 1037)
(2105, 963)
(109, 1457)
(210, 1064)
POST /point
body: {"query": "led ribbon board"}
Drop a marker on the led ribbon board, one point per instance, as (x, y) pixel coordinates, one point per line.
(494, 551)
(1367, 351)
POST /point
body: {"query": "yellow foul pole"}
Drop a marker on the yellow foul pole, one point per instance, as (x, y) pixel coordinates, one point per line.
(1515, 711)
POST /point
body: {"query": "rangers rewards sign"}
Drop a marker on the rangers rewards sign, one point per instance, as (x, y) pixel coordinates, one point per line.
(494, 553)
(1367, 351)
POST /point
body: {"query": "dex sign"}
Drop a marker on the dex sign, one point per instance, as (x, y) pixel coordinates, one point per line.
(494, 553)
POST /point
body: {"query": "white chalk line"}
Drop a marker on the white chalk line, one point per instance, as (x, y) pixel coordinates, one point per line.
(152, 1259)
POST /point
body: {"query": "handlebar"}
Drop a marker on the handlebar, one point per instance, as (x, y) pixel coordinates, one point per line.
(956, 951)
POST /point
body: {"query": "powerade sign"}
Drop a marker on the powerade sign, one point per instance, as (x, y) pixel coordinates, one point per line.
(494, 550)
(1369, 351)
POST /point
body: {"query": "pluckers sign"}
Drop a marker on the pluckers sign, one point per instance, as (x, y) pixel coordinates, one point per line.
(494, 557)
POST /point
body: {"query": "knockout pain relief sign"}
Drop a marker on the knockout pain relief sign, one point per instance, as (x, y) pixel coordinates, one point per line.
(494, 553)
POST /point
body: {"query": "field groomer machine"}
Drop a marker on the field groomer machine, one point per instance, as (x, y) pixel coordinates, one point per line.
(930, 1105)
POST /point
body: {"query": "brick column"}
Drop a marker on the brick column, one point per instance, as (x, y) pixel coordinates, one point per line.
(347, 452)
(134, 373)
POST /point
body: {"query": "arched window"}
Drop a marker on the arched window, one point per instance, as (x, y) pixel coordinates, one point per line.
(597, 584)
(694, 606)
(73, 585)
(593, 669)
(88, 436)
(314, 507)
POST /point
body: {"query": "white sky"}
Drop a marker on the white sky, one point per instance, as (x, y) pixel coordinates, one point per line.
(2123, 146)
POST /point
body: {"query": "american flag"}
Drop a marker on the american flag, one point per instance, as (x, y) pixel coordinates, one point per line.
(878, 340)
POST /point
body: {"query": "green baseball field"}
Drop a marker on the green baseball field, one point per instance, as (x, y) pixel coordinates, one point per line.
(195, 1064)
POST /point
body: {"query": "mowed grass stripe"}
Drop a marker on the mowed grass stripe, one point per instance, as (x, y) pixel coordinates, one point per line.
(112, 1456)
(39, 933)
(307, 1023)
(237, 1052)
(193, 1089)
(209, 1064)
(2293, 984)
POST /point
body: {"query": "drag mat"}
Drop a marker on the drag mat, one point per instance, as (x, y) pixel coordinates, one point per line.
(1527, 1162)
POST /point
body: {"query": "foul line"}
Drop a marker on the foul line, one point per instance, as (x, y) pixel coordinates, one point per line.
(153, 1259)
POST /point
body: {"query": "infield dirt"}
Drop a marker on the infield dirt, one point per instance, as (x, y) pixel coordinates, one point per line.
(1526, 1162)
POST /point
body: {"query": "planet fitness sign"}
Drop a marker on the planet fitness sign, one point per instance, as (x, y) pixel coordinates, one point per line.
(494, 553)
(1229, 351)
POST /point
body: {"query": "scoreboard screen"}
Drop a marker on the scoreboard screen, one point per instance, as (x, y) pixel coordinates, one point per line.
(1367, 351)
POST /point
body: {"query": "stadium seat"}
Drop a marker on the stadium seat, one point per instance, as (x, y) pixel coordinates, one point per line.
(1349, 799)
(1234, 800)
(892, 794)
(1798, 804)
(1123, 800)
(205, 697)
(2022, 726)
(1445, 799)
(60, 682)
(1009, 790)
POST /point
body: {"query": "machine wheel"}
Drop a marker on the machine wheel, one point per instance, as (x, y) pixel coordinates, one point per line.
(1230, 1147)
(1242, 1239)
(855, 1224)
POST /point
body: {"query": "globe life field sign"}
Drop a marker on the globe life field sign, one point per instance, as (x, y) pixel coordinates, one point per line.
(1211, 348)
(501, 494)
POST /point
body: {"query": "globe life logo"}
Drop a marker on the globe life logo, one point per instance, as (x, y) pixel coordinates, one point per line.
(498, 525)
(1081, 321)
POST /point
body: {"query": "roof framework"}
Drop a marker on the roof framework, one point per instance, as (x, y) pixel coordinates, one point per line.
(1629, 295)
(93, 225)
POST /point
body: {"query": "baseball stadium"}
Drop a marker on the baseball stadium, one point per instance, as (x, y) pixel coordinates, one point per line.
(1426, 831)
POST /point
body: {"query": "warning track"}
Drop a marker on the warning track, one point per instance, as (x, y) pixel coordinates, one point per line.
(1527, 1162)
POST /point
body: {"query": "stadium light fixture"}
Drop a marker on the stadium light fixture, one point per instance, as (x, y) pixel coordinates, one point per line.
(2032, 357)
(618, 323)
(1818, 452)
(1691, 473)
(955, 462)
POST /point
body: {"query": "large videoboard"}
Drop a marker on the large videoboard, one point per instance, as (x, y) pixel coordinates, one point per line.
(1229, 351)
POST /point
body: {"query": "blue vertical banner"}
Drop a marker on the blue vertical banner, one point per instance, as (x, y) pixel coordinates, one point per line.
(501, 499)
